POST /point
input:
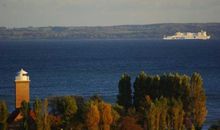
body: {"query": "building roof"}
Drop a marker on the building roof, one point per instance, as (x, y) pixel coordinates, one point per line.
(22, 75)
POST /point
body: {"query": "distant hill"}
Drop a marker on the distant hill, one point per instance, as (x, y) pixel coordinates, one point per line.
(150, 31)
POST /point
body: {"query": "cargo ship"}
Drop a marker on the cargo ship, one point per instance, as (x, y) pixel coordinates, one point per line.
(188, 35)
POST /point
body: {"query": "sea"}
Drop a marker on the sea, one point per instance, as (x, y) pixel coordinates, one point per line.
(94, 67)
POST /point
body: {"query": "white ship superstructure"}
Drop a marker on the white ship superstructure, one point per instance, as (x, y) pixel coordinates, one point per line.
(188, 35)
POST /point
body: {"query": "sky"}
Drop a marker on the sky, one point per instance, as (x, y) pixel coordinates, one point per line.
(35, 13)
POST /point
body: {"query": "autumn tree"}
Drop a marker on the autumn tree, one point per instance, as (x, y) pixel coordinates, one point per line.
(124, 97)
(92, 117)
(105, 112)
(129, 123)
(163, 106)
(152, 114)
(46, 119)
(3, 115)
(151, 117)
(106, 117)
(176, 115)
(198, 100)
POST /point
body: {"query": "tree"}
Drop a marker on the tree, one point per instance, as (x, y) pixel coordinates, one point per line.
(96, 99)
(67, 108)
(139, 90)
(124, 97)
(105, 112)
(115, 117)
(41, 114)
(38, 110)
(25, 112)
(92, 117)
(151, 117)
(215, 126)
(198, 101)
(46, 119)
(176, 114)
(129, 123)
(155, 113)
(189, 90)
(163, 106)
(3, 115)
(192, 127)
(150, 114)
(106, 118)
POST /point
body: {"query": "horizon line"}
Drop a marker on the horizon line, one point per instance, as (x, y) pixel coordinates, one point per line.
(110, 25)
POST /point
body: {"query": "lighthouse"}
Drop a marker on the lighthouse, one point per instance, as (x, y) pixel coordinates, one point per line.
(22, 88)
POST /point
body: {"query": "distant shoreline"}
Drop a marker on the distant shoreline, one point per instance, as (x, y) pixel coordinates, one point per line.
(148, 32)
(75, 40)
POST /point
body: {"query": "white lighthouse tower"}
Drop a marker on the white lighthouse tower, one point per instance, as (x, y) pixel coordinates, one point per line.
(22, 88)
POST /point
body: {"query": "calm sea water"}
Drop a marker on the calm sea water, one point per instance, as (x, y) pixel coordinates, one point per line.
(88, 67)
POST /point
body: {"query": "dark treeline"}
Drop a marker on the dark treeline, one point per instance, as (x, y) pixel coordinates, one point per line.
(154, 102)
(166, 102)
(215, 126)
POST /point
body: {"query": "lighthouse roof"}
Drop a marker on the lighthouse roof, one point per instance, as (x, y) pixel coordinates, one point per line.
(22, 75)
(22, 72)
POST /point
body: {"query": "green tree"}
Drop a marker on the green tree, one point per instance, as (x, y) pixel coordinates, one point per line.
(215, 126)
(25, 112)
(3, 115)
(67, 108)
(139, 90)
(189, 90)
(115, 118)
(119, 109)
(124, 97)
(38, 110)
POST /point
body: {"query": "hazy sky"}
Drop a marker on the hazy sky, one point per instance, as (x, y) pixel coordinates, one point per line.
(22, 13)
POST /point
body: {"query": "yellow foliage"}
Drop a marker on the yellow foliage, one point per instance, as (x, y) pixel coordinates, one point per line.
(92, 117)
(107, 114)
